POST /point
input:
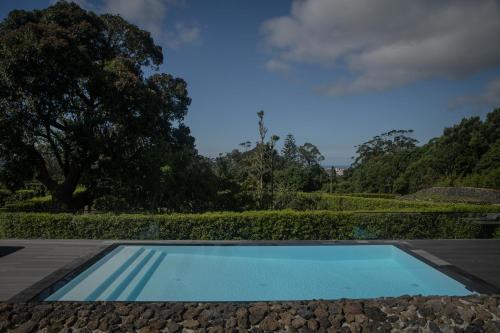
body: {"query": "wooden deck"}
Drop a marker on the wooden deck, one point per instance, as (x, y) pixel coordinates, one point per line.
(38, 259)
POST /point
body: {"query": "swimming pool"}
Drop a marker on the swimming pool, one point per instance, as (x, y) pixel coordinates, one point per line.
(255, 273)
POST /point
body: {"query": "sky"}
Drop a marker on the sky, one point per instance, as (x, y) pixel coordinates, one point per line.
(331, 72)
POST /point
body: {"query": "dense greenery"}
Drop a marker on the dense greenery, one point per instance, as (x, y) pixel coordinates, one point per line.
(467, 154)
(77, 108)
(256, 225)
(301, 201)
(88, 122)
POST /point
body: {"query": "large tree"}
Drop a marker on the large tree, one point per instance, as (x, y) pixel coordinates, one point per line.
(74, 98)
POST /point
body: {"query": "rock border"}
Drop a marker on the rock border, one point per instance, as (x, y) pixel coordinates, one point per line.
(401, 314)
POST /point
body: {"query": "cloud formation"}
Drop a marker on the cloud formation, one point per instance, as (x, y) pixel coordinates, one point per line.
(150, 15)
(387, 43)
(277, 66)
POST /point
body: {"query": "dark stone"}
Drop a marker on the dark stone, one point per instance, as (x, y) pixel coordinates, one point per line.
(157, 324)
(122, 310)
(312, 324)
(231, 322)
(27, 327)
(190, 323)
(172, 327)
(103, 324)
(257, 313)
(434, 328)
(92, 325)
(392, 319)
(352, 308)
(242, 318)
(165, 313)
(298, 322)
(191, 313)
(473, 328)
(375, 313)
(147, 314)
(140, 323)
(215, 329)
(270, 322)
(305, 313)
(336, 320)
(321, 313)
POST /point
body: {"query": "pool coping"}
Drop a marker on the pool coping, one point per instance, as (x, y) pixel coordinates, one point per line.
(39, 291)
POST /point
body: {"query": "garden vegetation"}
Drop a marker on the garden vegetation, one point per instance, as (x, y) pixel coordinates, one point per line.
(88, 123)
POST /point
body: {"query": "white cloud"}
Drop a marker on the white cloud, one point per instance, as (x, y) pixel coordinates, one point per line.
(387, 43)
(150, 15)
(277, 66)
(488, 99)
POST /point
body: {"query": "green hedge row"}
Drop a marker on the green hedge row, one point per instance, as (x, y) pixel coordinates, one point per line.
(36, 204)
(271, 225)
(339, 203)
(370, 195)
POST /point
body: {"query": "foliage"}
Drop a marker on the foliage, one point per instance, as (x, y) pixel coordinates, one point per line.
(21, 195)
(496, 233)
(36, 204)
(75, 104)
(457, 194)
(371, 195)
(251, 225)
(467, 154)
(322, 201)
(4, 196)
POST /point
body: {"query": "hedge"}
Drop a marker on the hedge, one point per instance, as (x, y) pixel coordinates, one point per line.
(370, 195)
(36, 204)
(270, 225)
(339, 203)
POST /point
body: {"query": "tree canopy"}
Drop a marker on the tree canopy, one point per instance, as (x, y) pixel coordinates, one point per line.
(466, 154)
(74, 99)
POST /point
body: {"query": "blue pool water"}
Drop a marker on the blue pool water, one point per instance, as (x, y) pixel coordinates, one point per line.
(251, 273)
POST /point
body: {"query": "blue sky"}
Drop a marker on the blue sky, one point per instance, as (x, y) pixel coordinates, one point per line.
(320, 69)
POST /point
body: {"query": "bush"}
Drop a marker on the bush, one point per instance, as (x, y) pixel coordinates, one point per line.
(271, 225)
(109, 203)
(4, 196)
(36, 204)
(339, 203)
(21, 195)
(496, 233)
(371, 195)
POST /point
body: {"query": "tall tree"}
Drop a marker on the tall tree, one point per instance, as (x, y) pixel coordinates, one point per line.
(272, 163)
(261, 156)
(310, 155)
(73, 91)
(289, 150)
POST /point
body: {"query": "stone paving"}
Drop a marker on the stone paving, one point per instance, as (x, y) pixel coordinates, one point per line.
(402, 314)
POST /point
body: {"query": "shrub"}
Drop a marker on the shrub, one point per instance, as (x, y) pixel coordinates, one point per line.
(271, 225)
(110, 203)
(333, 202)
(371, 195)
(36, 204)
(496, 233)
(21, 195)
(4, 196)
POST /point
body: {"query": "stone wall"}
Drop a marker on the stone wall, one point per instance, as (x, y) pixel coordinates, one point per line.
(403, 314)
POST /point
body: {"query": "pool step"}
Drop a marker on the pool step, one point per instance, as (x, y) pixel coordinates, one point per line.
(134, 288)
(78, 289)
(121, 276)
(116, 288)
